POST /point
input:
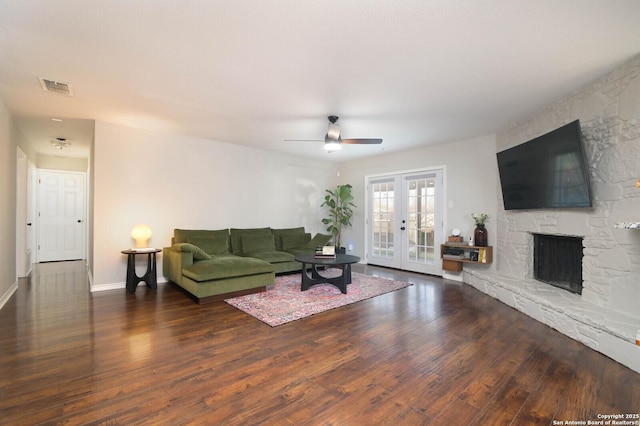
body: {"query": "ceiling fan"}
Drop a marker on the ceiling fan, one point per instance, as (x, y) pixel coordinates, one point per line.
(333, 140)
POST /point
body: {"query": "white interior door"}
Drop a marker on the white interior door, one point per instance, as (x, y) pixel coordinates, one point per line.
(61, 209)
(405, 221)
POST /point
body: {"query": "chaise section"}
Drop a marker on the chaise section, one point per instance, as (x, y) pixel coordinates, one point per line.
(230, 266)
(200, 262)
(226, 276)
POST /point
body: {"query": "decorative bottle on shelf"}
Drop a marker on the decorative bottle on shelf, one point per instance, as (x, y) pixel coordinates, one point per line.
(480, 236)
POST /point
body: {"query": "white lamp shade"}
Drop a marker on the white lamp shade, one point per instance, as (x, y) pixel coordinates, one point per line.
(141, 234)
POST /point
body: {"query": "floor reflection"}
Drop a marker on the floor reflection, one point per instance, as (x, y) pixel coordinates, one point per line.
(53, 314)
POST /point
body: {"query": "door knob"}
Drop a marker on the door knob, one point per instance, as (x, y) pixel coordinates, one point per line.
(79, 220)
(402, 228)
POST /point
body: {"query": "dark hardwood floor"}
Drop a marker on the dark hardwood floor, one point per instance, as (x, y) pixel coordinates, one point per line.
(437, 353)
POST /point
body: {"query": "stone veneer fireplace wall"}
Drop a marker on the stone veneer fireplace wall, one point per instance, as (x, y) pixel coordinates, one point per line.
(606, 317)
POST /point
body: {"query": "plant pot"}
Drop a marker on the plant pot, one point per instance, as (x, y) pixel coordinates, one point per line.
(480, 236)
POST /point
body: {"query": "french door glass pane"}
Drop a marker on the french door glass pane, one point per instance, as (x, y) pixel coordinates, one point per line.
(421, 219)
(383, 219)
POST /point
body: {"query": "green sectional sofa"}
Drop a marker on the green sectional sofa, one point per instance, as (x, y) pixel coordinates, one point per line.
(217, 264)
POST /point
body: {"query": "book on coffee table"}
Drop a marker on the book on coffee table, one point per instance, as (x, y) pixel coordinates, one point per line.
(327, 252)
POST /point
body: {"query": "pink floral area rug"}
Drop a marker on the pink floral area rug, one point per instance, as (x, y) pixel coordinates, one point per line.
(284, 302)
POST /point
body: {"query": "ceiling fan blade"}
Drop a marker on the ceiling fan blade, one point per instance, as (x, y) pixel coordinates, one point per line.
(362, 141)
(303, 140)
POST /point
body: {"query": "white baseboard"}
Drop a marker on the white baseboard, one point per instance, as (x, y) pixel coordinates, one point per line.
(118, 286)
(108, 286)
(451, 276)
(7, 295)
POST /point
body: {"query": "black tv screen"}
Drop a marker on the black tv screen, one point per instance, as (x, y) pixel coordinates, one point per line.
(546, 172)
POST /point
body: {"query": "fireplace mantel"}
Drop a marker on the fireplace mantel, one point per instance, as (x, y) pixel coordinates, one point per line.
(627, 225)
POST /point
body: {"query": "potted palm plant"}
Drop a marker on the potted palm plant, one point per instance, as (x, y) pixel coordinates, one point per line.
(339, 202)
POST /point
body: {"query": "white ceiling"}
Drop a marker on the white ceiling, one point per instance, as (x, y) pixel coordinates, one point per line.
(413, 72)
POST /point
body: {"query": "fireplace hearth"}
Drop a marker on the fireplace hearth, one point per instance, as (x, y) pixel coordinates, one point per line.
(557, 260)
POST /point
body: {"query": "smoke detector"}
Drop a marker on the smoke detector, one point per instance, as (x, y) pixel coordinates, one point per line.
(60, 143)
(55, 86)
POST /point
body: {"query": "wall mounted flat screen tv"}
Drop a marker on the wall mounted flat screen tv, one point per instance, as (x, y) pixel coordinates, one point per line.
(546, 172)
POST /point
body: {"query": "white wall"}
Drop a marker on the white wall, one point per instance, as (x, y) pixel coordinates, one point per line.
(171, 181)
(470, 182)
(8, 146)
(62, 163)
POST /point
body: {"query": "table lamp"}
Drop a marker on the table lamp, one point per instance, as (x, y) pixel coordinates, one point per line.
(141, 233)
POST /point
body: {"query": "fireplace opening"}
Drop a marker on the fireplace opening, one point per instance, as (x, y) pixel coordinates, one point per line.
(557, 260)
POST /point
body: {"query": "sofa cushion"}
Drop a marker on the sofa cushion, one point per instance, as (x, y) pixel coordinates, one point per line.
(290, 241)
(221, 267)
(198, 253)
(319, 240)
(236, 235)
(213, 242)
(296, 251)
(272, 256)
(254, 243)
(278, 233)
(215, 246)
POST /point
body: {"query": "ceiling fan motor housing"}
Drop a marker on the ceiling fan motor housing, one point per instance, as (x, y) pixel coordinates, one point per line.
(333, 132)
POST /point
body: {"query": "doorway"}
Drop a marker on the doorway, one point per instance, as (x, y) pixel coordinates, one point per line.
(61, 215)
(405, 221)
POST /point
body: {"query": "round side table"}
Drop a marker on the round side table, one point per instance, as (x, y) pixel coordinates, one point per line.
(150, 277)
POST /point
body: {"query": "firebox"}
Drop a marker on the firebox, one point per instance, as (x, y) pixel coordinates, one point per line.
(557, 260)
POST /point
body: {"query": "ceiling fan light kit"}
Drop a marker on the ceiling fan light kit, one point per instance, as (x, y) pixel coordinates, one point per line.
(331, 145)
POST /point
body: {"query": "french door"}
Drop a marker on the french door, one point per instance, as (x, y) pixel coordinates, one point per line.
(405, 221)
(61, 206)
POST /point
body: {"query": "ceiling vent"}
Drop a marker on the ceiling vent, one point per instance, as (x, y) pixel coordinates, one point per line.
(55, 86)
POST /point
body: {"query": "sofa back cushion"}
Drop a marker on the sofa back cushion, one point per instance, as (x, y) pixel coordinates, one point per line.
(237, 234)
(215, 243)
(257, 243)
(278, 234)
(290, 241)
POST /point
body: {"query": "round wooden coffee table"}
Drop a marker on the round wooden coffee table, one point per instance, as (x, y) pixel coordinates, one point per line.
(341, 261)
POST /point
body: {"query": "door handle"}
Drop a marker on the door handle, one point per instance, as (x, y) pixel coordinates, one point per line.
(79, 220)
(29, 224)
(402, 228)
